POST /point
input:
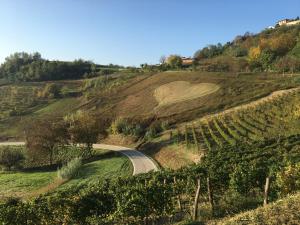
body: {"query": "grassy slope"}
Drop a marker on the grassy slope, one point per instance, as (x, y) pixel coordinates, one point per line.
(107, 168)
(285, 211)
(133, 97)
(21, 183)
(23, 98)
(24, 184)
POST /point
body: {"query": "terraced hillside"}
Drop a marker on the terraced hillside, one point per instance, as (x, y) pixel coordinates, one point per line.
(276, 116)
(20, 102)
(18, 99)
(133, 96)
(272, 117)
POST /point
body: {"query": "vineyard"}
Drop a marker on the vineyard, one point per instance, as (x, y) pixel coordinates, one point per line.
(17, 99)
(277, 117)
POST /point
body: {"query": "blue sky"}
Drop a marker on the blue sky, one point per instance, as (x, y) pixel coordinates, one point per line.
(130, 32)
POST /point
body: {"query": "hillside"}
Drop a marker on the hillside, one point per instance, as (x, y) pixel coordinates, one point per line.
(275, 49)
(284, 211)
(126, 95)
(225, 132)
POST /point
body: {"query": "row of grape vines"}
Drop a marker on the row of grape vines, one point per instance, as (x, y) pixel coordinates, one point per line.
(275, 118)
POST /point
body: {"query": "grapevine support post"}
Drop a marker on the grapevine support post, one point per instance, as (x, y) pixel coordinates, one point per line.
(210, 195)
(195, 213)
(179, 200)
(266, 193)
(186, 137)
(195, 137)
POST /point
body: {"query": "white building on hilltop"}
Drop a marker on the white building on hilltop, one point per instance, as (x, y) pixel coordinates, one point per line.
(288, 22)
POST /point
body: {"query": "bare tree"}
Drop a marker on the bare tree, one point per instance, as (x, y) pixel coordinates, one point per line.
(163, 59)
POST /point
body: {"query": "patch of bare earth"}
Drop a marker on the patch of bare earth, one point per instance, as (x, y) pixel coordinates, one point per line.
(55, 184)
(114, 139)
(174, 157)
(179, 91)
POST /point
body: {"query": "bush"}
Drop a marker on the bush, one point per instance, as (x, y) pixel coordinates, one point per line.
(288, 179)
(154, 129)
(50, 91)
(123, 126)
(10, 157)
(70, 170)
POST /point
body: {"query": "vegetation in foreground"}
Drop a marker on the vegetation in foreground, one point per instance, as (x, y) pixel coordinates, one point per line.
(34, 181)
(249, 157)
(284, 211)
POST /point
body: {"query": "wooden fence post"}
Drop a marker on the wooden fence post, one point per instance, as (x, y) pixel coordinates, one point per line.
(178, 136)
(195, 137)
(195, 213)
(266, 193)
(210, 195)
(178, 199)
(186, 137)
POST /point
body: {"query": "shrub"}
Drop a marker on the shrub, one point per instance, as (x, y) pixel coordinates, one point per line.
(50, 91)
(123, 126)
(288, 179)
(10, 157)
(165, 125)
(154, 129)
(70, 170)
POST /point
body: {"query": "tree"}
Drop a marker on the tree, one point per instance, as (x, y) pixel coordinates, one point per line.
(209, 52)
(254, 53)
(282, 44)
(83, 129)
(10, 157)
(44, 137)
(174, 61)
(288, 63)
(32, 67)
(163, 59)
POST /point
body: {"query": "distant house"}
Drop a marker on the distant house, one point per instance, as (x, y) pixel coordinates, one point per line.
(187, 61)
(288, 22)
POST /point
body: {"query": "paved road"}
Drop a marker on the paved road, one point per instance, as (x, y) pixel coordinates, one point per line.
(141, 163)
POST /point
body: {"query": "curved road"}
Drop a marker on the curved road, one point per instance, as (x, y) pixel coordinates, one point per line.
(141, 163)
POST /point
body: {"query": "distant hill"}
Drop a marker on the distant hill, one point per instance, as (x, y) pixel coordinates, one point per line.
(273, 49)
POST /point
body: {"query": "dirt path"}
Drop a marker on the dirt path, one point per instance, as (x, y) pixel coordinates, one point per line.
(141, 163)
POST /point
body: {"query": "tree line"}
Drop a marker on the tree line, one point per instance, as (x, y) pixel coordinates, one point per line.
(22, 66)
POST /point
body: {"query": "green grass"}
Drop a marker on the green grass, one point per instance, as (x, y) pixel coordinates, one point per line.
(23, 184)
(61, 107)
(107, 168)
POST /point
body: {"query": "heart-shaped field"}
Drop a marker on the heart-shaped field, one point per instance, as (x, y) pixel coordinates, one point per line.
(179, 91)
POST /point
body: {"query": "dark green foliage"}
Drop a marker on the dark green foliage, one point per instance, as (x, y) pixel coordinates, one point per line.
(209, 51)
(31, 67)
(10, 157)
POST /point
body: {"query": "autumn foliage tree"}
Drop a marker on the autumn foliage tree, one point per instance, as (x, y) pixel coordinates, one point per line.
(174, 61)
(84, 129)
(44, 137)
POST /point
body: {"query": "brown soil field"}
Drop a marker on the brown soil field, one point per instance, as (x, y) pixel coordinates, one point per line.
(180, 91)
(136, 99)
